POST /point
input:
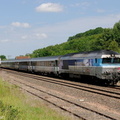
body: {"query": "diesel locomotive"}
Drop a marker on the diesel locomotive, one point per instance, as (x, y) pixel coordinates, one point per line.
(102, 65)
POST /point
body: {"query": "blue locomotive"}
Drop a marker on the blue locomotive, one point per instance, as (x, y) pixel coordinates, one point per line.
(103, 65)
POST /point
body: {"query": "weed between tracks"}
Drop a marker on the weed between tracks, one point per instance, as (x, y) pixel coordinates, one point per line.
(14, 105)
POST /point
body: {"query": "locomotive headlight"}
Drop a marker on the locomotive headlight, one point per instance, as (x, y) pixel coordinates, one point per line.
(118, 71)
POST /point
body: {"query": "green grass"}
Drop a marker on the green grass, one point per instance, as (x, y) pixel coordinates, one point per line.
(14, 105)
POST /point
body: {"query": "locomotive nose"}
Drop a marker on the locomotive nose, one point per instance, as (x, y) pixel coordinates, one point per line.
(116, 74)
(116, 70)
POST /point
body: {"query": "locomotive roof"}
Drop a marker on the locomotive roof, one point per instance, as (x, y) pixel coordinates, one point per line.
(90, 54)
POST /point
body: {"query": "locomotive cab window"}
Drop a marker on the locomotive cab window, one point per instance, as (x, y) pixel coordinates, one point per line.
(111, 60)
(116, 60)
(107, 60)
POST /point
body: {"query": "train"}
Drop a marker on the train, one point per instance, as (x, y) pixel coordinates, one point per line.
(101, 65)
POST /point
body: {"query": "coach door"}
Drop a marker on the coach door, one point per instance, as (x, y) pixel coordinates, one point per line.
(56, 66)
(30, 66)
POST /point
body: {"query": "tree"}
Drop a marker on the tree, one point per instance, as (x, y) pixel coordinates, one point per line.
(114, 46)
(90, 32)
(3, 57)
(116, 31)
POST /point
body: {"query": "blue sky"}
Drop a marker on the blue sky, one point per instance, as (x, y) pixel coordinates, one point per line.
(27, 25)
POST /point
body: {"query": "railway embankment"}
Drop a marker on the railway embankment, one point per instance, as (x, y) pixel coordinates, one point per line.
(16, 104)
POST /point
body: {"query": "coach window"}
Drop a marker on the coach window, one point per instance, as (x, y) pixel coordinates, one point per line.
(56, 63)
(43, 63)
(33, 63)
(46, 63)
(40, 63)
(49, 63)
(37, 63)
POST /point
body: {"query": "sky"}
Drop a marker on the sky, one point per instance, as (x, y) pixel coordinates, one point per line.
(27, 25)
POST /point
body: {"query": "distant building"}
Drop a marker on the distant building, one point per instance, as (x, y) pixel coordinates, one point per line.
(22, 57)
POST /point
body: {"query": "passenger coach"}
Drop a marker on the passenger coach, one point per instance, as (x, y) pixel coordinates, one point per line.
(45, 65)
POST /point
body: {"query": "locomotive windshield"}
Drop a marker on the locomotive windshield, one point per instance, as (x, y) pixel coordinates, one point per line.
(111, 60)
(116, 60)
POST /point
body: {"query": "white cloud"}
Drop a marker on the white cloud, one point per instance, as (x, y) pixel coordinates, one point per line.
(41, 35)
(18, 24)
(1, 27)
(24, 37)
(4, 41)
(49, 7)
(83, 5)
(100, 10)
(34, 36)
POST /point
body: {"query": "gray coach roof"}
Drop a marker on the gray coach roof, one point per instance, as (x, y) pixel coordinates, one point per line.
(51, 58)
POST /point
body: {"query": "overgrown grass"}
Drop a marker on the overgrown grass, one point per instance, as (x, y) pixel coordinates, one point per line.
(14, 105)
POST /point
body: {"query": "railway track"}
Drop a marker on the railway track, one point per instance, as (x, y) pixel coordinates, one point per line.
(69, 104)
(116, 87)
(89, 88)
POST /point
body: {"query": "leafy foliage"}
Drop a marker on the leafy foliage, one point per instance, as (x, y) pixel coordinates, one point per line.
(3, 57)
(87, 33)
(94, 39)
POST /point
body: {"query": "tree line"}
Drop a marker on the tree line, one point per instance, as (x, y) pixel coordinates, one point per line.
(94, 39)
